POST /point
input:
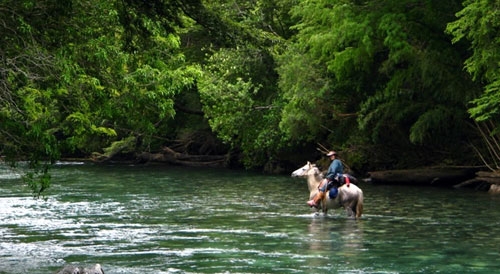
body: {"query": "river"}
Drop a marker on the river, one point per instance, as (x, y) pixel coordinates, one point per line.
(160, 219)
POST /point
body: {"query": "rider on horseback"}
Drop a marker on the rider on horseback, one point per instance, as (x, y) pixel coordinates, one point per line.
(335, 172)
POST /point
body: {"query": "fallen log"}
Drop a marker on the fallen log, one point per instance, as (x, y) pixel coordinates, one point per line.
(423, 176)
(487, 181)
(475, 183)
(488, 174)
(168, 152)
(183, 159)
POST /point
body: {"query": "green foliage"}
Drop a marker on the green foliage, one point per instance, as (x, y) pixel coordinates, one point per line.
(478, 26)
(388, 62)
(303, 90)
(121, 93)
(238, 89)
(479, 23)
(239, 110)
(442, 120)
(126, 145)
(93, 73)
(486, 107)
(270, 76)
(38, 180)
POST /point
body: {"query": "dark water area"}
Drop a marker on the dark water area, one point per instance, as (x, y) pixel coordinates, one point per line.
(157, 219)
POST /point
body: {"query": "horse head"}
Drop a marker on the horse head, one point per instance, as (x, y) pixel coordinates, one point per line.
(307, 170)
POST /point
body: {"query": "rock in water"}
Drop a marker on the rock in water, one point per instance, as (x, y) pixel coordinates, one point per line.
(70, 269)
(96, 269)
(73, 269)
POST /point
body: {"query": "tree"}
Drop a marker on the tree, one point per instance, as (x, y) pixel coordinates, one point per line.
(479, 24)
(28, 114)
(94, 73)
(388, 63)
(238, 85)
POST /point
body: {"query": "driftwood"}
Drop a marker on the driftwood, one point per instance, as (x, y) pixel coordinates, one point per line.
(456, 177)
(197, 150)
(113, 150)
(424, 176)
(485, 174)
(489, 181)
(475, 183)
(172, 157)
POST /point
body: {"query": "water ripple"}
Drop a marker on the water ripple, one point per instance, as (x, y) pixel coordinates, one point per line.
(169, 220)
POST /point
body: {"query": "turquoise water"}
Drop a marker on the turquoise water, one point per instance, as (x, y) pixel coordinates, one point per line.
(157, 219)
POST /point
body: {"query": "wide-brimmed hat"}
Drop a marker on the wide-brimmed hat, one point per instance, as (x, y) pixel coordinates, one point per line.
(331, 153)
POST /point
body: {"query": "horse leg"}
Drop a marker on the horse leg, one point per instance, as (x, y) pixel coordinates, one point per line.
(350, 208)
(359, 209)
(350, 211)
(316, 210)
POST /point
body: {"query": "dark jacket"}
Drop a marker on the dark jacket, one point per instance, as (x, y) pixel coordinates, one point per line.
(336, 169)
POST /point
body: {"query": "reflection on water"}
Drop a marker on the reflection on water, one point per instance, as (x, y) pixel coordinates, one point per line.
(178, 220)
(338, 242)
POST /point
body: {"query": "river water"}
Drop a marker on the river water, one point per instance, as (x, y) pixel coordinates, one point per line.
(157, 219)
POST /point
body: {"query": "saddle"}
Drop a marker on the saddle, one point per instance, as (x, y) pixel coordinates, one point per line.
(344, 179)
(332, 186)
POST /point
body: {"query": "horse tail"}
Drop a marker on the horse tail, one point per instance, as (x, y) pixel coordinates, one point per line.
(359, 206)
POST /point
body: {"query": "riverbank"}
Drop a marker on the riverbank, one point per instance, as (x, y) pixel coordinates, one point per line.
(456, 177)
(451, 177)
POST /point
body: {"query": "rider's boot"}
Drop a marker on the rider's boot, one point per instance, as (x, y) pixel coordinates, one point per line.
(315, 201)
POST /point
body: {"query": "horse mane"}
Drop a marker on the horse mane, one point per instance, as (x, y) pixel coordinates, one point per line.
(319, 175)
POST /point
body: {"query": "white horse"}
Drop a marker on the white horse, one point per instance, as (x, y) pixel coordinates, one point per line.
(349, 196)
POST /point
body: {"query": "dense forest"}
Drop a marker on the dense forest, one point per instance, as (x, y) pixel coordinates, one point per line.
(389, 84)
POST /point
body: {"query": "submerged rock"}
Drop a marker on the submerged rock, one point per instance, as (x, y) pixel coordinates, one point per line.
(73, 269)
